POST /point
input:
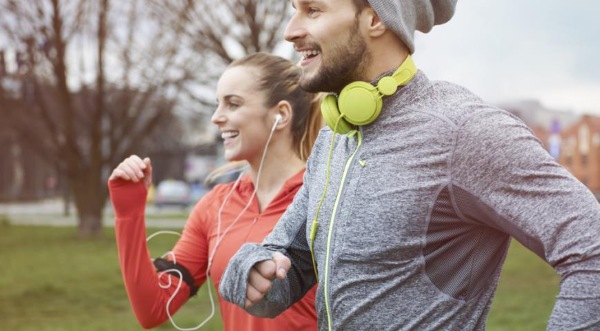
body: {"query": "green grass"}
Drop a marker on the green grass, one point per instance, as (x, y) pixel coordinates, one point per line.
(526, 293)
(50, 280)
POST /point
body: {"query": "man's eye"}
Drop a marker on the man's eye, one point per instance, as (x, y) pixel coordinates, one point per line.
(312, 11)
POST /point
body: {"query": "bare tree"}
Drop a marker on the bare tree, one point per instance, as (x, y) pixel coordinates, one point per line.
(221, 31)
(98, 77)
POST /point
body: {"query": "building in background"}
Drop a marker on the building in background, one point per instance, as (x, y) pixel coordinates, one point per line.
(580, 151)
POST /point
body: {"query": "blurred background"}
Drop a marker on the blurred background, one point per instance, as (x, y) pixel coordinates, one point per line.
(84, 84)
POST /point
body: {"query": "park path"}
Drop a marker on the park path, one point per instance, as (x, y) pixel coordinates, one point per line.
(51, 212)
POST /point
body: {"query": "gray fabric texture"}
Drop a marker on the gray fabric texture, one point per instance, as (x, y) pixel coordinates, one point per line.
(404, 17)
(415, 236)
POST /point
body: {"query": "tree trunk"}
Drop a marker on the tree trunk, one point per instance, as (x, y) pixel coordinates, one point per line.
(90, 224)
(66, 194)
(89, 196)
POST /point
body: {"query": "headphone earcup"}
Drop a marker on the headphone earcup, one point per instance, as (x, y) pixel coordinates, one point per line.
(360, 102)
(331, 114)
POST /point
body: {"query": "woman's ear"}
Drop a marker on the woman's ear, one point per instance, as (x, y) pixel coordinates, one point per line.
(284, 113)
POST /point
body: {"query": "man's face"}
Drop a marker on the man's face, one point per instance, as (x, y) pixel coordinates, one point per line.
(327, 34)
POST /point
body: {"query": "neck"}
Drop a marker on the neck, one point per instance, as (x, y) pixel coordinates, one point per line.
(387, 54)
(279, 165)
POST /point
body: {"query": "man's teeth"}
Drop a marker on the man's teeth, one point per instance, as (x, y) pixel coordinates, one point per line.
(309, 53)
(228, 134)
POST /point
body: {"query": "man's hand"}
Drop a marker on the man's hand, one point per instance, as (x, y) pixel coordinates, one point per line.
(262, 275)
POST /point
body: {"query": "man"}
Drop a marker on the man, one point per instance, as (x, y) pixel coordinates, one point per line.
(409, 209)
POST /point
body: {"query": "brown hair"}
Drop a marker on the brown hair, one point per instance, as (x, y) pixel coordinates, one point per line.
(279, 79)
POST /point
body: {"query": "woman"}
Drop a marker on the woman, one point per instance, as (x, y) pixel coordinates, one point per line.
(268, 122)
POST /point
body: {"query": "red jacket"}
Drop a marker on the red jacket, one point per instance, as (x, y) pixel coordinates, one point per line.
(195, 246)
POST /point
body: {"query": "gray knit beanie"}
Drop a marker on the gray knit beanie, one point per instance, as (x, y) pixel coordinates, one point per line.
(403, 17)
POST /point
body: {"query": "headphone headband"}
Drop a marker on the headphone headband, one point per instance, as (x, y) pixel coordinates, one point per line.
(404, 74)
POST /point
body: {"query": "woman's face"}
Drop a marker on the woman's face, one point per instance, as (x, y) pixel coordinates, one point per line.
(241, 114)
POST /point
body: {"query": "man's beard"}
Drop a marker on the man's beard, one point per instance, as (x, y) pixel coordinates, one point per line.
(347, 62)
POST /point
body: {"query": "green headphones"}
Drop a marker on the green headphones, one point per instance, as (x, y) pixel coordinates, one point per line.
(360, 103)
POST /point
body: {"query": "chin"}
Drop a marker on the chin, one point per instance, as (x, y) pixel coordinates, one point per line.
(229, 157)
(233, 157)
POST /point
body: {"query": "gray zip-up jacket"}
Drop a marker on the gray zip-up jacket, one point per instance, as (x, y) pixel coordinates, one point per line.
(417, 220)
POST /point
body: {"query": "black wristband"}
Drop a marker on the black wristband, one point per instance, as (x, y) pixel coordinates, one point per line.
(162, 264)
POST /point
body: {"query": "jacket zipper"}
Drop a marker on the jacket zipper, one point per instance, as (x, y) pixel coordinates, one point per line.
(330, 230)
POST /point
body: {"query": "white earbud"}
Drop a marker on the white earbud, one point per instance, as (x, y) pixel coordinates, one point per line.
(278, 119)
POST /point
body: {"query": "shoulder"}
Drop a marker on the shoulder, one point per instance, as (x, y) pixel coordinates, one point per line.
(205, 211)
(498, 143)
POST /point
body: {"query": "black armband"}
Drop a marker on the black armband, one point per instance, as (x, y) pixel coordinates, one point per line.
(162, 264)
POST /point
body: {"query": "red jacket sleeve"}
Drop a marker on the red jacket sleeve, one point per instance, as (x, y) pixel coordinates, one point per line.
(146, 297)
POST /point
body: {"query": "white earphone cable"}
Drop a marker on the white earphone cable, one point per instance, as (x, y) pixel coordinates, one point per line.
(220, 237)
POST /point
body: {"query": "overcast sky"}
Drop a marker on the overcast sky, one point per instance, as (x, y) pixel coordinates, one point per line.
(506, 50)
(547, 50)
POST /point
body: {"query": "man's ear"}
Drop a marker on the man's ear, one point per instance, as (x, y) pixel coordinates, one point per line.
(376, 28)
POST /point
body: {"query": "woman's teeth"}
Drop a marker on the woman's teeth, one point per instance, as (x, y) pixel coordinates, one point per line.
(229, 134)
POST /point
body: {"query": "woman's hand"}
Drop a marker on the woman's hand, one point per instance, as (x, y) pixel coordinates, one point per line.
(134, 169)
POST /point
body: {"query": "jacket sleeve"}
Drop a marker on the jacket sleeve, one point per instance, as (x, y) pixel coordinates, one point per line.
(289, 238)
(148, 300)
(502, 166)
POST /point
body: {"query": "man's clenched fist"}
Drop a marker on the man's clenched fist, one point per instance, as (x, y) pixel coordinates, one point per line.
(262, 275)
